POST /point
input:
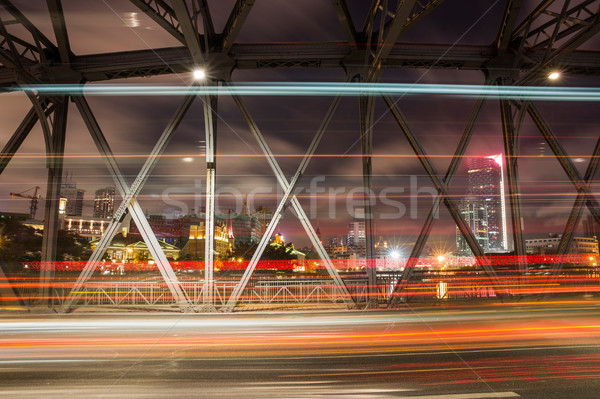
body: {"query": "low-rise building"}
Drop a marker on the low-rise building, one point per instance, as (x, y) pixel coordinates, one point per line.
(549, 245)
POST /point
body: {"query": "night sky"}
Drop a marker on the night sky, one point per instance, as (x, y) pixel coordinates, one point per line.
(133, 124)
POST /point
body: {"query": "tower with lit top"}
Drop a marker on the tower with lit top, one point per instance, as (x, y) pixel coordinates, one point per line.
(484, 207)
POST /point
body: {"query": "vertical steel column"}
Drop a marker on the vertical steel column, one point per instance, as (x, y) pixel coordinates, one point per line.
(511, 152)
(366, 111)
(210, 129)
(51, 220)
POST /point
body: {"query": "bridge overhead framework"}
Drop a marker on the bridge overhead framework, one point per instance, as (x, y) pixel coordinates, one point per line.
(373, 39)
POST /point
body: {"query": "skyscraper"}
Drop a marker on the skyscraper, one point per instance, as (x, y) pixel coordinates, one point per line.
(356, 237)
(104, 202)
(484, 207)
(73, 197)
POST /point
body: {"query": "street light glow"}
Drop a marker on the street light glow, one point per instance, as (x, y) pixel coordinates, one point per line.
(554, 75)
(199, 74)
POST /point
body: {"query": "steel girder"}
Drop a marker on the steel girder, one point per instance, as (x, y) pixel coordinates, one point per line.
(51, 222)
(210, 129)
(143, 63)
(366, 112)
(511, 156)
(287, 199)
(161, 13)
(234, 24)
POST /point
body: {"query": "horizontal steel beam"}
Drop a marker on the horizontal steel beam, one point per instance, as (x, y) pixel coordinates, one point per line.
(98, 67)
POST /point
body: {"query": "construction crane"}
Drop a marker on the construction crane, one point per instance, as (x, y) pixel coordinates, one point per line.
(34, 199)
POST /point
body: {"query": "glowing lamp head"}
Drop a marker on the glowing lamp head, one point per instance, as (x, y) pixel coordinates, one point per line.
(554, 75)
(188, 159)
(441, 258)
(199, 74)
(395, 255)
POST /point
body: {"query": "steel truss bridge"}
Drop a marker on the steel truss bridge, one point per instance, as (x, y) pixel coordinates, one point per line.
(528, 44)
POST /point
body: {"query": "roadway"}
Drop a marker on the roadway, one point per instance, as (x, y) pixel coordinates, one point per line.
(529, 350)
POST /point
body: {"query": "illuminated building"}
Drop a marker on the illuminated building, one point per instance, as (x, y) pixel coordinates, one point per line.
(85, 227)
(382, 248)
(71, 198)
(591, 228)
(484, 208)
(104, 202)
(335, 247)
(264, 216)
(356, 238)
(549, 245)
(194, 248)
(246, 228)
(123, 250)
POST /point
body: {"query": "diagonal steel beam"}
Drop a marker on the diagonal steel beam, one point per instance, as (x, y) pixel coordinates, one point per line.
(386, 46)
(370, 19)
(189, 31)
(343, 14)
(132, 206)
(288, 188)
(577, 210)
(565, 161)
(452, 168)
(509, 18)
(20, 135)
(527, 21)
(60, 30)
(442, 188)
(234, 24)
(166, 19)
(35, 32)
(554, 56)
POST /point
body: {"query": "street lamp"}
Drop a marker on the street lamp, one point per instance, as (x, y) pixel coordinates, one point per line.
(199, 74)
(554, 75)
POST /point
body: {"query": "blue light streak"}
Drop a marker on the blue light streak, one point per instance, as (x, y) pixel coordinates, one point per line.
(321, 89)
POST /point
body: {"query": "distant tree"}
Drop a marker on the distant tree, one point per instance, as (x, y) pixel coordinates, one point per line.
(244, 250)
(279, 252)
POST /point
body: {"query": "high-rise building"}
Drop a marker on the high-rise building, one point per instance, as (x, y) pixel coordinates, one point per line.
(356, 237)
(71, 198)
(104, 202)
(484, 208)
